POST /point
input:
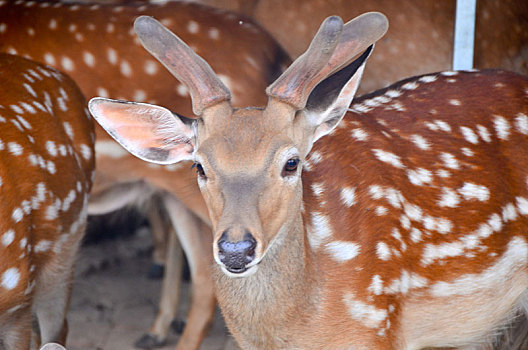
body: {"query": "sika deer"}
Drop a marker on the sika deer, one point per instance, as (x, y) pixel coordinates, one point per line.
(94, 44)
(46, 165)
(408, 227)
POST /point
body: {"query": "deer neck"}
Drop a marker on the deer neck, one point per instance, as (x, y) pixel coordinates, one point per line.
(263, 308)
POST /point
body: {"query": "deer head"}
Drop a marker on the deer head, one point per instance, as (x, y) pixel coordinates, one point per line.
(248, 160)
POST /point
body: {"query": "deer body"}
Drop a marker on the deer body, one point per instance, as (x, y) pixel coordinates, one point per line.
(95, 45)
(407, 228)
(46, 167)
(391, 278)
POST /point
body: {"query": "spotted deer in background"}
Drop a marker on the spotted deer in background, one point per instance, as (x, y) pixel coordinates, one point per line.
(95, 44)
(46, 166)
(399, 223)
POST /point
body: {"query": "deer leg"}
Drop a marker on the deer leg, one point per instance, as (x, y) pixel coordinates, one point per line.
(51, 297)
(160, 233)
(170, 292)
(196, 240)
(16, 333)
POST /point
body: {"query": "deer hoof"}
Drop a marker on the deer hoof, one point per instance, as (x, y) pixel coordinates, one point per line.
(178, 326)
(149, 341)
(156, 271)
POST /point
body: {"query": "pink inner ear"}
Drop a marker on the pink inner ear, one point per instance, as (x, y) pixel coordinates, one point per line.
(151, 133)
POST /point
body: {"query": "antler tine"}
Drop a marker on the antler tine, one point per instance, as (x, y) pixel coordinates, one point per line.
(205, 87)
(357, 35)
(296, 83)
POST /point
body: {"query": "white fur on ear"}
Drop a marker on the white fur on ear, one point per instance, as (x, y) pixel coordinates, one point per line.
(329, 101)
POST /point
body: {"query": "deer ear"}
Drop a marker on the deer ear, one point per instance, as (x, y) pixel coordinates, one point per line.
(330, 99)
(149, 132)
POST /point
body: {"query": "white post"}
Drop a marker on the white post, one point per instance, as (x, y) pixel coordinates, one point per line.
(464, 34)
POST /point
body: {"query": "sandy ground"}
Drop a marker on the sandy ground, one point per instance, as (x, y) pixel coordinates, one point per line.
(114, 303)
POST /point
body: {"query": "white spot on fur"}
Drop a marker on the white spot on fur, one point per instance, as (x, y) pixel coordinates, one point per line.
(86, 151)
(102, 92)
(472, 191)
(51, 148)
(420, 142)
(442, 125)
(214, 33)
(140, 95)
(449, 160)
(443, 173)
(428, 78)
(388, 157)
(455, 102)
(509, 213)
(49, 59)
(52, 24)
(416, 235)
(69, 130)
(182, 90)
(88, 58)
(368, 315)
(67, 64)
(17, 109)
(410, 85)
(522, 205)
(376, 286)
(151, 67)
(348, 196)
(512, 260)
(521, 123)
(449, 198)
(359, 134)
(125, 68)
(42, 246)
(10, 278)
(14, 148)
(484, 133)
(319, 230)
(469, 135)
(111, 55)
(381, 210)
(467, 152)
(383, 251)
(376, 192)
(502, 127)
(8, 237)
(318, 189)
(193, 27)
(342, 251)
(420, 176)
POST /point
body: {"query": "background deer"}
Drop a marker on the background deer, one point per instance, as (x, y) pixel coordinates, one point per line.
(46, 166)
(408, 226)
(96, 46)
(420, 39)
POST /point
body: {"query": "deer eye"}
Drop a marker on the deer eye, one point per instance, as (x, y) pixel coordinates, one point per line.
(199, 170)
(290, 167)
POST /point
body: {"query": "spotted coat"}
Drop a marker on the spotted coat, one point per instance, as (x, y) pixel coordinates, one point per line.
(422, 216)
(46, 168)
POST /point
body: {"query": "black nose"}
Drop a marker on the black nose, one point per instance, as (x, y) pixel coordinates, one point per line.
(236, 255)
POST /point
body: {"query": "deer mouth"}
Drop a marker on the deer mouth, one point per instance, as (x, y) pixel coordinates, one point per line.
(239, 272)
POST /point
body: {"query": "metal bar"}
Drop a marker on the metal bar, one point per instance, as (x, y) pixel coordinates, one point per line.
(464, 34)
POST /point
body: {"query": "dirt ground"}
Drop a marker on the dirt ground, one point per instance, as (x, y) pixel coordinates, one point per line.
(114, 303)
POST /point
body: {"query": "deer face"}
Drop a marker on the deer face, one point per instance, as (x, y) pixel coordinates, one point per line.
(248, 161)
